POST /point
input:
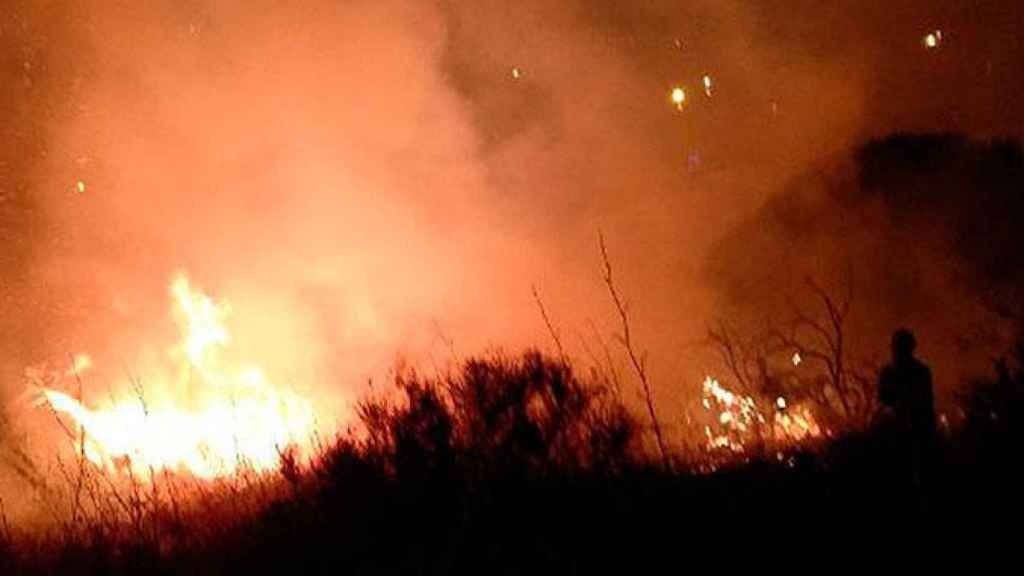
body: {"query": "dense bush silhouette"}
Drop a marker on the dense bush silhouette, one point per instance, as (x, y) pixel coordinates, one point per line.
(515, 465)
(523, 416)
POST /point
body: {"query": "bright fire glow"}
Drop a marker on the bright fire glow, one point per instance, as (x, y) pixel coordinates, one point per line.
(932, 39)
(210, 419)
(739, 420)
(79, 364)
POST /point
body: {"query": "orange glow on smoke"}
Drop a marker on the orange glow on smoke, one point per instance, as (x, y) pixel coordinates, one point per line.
(209, 419)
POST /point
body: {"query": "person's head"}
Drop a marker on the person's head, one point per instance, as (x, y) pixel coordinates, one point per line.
(903, 344)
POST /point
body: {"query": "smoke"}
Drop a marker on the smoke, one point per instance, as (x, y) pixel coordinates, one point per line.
(366, 180)
(920, 230)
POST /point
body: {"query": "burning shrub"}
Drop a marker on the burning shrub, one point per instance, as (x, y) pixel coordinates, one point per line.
(740, 424)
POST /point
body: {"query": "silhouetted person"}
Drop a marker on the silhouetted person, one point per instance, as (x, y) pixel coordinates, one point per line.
(905, 390)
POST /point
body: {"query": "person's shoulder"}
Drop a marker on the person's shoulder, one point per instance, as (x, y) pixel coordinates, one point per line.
(922, 369)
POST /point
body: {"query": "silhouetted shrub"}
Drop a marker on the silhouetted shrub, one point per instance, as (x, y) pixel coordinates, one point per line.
(526, 415)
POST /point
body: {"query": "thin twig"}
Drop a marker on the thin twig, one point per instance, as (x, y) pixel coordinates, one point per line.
(551, 328)
(638, 362)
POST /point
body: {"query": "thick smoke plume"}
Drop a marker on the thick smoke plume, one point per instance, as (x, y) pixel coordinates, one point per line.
(368, 180)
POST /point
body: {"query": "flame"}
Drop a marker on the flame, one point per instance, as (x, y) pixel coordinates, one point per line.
(204, 321)
(739, 418)
(210, 419)
(796, 424)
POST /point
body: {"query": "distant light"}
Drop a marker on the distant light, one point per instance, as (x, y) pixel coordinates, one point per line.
(707, 85)
(678, 97)
(933, 39)
(781, 403)
(797, 359)
(80, 187)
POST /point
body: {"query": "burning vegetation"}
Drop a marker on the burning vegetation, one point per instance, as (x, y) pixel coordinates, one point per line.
(365, 190)
(206, 416)
(210, 461)
(739, 421)
(508, 461)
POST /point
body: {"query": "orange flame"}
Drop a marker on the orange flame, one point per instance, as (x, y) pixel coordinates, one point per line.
(739, 417)
(212, 418)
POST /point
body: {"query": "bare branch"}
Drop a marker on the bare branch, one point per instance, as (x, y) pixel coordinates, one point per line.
(732, 355)
(638, 361)
(604, 363)
(551, 328)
